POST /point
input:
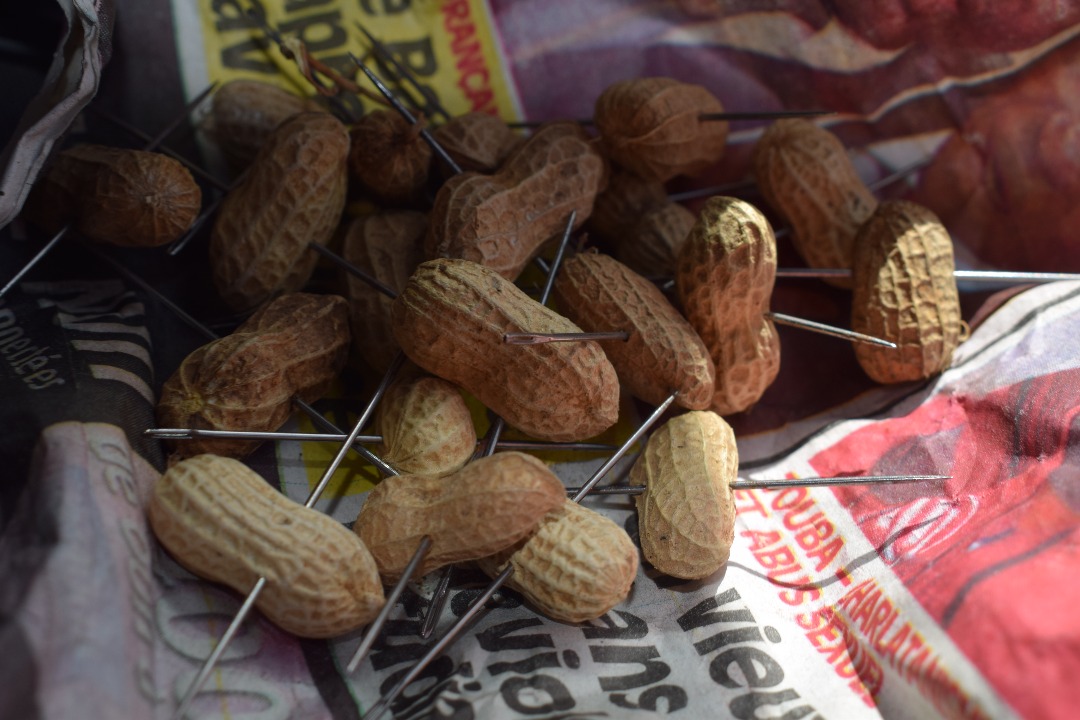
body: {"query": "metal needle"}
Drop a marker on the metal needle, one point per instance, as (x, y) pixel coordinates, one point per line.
(429, 96)
(784, 482)
(526, 338)
(987, 276)
(829, 330)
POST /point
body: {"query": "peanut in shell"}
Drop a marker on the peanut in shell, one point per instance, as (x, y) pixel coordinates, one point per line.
(905, 292)
(686, 516)
(726, 270)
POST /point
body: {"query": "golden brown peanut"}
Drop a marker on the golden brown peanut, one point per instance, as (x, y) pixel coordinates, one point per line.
(905, 291)
(122, 197)
(652, 127)
(503, 220)
(245, 112)
(686, 516)
(293, 195)
(805, 175)
(726, 270)
(662, 354)
(576, 566)
(295, 346)
(477, 142)
(389, 157)
(652, 246)
(223, 522)
(450, 320)
(426, 427)
(387, 246)
(486, 506)
(622, 203)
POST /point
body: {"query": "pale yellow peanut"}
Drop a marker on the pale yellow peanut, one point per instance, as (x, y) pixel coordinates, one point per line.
(725, 274)
(577, 566)
(905, 292)
(686, 516)
(223, 522)
(805, 175)
(450, 320)
(293, 195)
(426, 427)
(486, 506)
(662, 354)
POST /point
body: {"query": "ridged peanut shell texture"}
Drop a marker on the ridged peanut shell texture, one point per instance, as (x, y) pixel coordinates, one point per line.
(244, 113)
(905, 291)
(388, 247)
(295, 346)
(450, 320)
(223, 522)
(487, 506)
(427, 428)
(662, 353)
(503, 220)
(652, 246)
(725, 275)
(389, 157)
(477, 141)
(292, 195)
(577, 566)
(118, 196)
(652, 127)
(686, 516)
(805, 175)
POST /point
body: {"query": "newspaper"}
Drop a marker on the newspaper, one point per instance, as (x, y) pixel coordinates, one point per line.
(949, 599)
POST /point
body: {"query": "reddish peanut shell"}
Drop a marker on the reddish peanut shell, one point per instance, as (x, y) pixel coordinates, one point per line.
(502, 220)
(805, 174)
(726, 270)
(486, 506)
(477, 141)
(293, 195)
(245, 112)
(653, 127)
(450, 320)
(389, 157)
(293, 347)
(387, 246)
(662, 354)
(905, 292)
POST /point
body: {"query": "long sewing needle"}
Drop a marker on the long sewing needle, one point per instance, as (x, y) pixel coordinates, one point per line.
(426, 92)
(784, 482)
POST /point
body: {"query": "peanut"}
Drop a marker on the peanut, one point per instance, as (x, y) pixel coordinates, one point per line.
(486, 506)
(389, 157)
(223, 522)
(292, 195)
(477, 141)
(686, 516)
(622, 203)
(245, 112)
(662, 353)
(295, 346)
(805, 175)
(122, 197)
(653, 245)
(386, 245)
(652, 127)
(503, 220)
(576, 566)
(450, 320)
(905, 291)
(426, 427)
(726, 269)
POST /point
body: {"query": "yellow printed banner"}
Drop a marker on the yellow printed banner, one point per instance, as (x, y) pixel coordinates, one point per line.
(450, 47)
